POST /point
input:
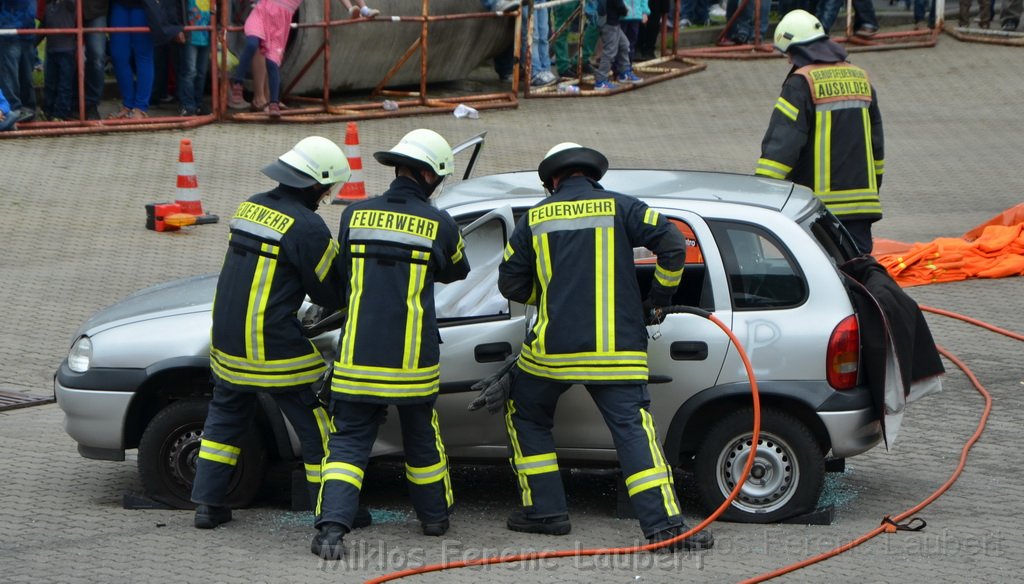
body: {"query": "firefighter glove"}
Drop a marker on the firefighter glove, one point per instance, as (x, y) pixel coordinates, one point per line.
(495, 388)
(654, 310)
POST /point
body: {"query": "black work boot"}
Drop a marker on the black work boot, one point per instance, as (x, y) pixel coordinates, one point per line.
(327, 544)
(210, 516)
(362, 518)
(435, 529)
(702, 540)
(557, 525)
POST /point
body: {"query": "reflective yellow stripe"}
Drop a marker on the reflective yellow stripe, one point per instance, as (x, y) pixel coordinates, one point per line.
(822, 149)
(592, 366)
(342, 471)
(879, 167)
(458, 255)
(604, 289)
(323, 267)
(508, 252)
(326, 426)
(259, 293)
(651, 217)
(448, 494)
(312, 473)
(217, 452)
(535, 464)
(668, 278)
(268, 373)
(513, 438)
(348, 338)
(668, 491)
(414, 311)
(648, 479)
(424, 475)
(868, 153)
(772, 169)
(787, 109)
(543, 254)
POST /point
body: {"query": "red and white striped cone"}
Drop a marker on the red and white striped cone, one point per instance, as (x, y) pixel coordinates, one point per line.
(188, 185)
(355, 188)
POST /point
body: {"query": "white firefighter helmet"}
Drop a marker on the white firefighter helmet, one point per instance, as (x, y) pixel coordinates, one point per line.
(422, 148)
(571, 155)
(797, 27)
(314, 160)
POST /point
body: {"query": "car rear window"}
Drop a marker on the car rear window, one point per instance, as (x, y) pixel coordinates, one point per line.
(762, 272)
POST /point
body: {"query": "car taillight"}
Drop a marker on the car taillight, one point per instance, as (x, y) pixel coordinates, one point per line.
(843, 356)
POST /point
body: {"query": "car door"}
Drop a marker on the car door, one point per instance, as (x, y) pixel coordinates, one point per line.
(686, 356)
(478, 329)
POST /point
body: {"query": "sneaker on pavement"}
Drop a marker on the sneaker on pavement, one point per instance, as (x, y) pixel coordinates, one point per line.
(717, 10)
(120, 114)
(436, 529)
(866, 32)
(186, 113)
(702, 540)
(235, 99)
(353, 12)
(605, 85)
(210, 516)
(138, 114)
(629, 77)
(557, 525)
(327, 544)
(367, 12)
(274, 110)
(26, 115)
(543, 78)
(92, 112)
(1010, 25)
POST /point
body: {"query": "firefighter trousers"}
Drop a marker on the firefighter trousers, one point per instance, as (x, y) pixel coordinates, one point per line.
(230, 417)
(348, 452)
(529, 419)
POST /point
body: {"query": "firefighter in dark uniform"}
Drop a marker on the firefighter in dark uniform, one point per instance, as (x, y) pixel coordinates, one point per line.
(571, 256)
(393, 248)
(279, 251)
(826, 131)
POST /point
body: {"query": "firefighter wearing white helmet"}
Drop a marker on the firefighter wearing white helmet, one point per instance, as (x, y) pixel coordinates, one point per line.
(825, 131)
(279, 252)
(571, 256)
(392, 250)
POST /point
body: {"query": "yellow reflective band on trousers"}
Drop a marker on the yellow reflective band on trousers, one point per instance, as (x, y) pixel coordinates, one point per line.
(667, 488)
(312, 473)
(535, 464)
(323, 267)
(273, 373)
(582, 367)
(604, 289)
(449, 496)
(342, 471)
(425, 475)
(517, 452)
(217, 452)
(414, 310)
(348, 337)
(648, 479)
(259, 294)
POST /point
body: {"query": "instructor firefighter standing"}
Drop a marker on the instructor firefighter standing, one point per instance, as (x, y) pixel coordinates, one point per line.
(572, 257)
(826, 131)
(393, 247)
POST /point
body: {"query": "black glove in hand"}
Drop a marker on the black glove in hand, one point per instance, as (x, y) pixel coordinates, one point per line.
(653, 313)
(495, 388)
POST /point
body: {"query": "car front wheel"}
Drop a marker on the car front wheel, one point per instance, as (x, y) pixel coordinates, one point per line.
(787, 475)
(169, 449)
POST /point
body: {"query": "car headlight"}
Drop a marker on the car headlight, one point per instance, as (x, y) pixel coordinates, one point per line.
(80, 355)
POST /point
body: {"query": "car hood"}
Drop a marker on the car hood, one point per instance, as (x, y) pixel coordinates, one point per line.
(170, 298)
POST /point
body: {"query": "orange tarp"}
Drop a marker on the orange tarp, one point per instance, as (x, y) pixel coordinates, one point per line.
(994, 249)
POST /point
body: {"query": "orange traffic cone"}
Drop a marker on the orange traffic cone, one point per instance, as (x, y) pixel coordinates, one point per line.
(355, 188)
(188, 186)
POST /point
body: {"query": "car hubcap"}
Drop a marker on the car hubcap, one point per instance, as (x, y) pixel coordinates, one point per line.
(773, 475)
(181, 456)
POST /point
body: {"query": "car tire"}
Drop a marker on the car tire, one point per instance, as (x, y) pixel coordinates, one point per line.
(168, 452)
(788, 472)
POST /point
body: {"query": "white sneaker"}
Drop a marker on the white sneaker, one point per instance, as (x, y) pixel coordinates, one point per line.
(717, 10)
(685, 23)
(367, 12)
(543, 78)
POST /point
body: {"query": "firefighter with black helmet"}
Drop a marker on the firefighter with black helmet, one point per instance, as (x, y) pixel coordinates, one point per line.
(826, 129)
(392, 250)
(279, 251)
(571, 256)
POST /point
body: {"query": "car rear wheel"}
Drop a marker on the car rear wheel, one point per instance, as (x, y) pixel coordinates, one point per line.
(169, 448)
(785, 480)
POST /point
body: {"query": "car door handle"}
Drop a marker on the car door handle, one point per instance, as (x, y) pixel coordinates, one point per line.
(492, 352)
(688, 350)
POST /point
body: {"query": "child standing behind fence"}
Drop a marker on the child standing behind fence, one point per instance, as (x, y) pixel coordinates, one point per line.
(266, 29)
(614, 46)
(195, 58)
(59, 75)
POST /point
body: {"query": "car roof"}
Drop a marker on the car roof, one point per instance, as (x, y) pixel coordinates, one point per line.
(668, 184)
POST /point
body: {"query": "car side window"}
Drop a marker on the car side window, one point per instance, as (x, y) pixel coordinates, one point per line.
(477, 296)
(761, 271)
(695, 288)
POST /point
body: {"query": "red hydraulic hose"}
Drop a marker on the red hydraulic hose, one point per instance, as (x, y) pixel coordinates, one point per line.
(631, 549)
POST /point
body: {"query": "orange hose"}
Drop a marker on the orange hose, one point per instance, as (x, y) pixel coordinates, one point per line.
(621, 550)
(888, 524)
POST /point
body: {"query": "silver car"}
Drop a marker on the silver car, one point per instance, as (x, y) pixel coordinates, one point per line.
(763, 258)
